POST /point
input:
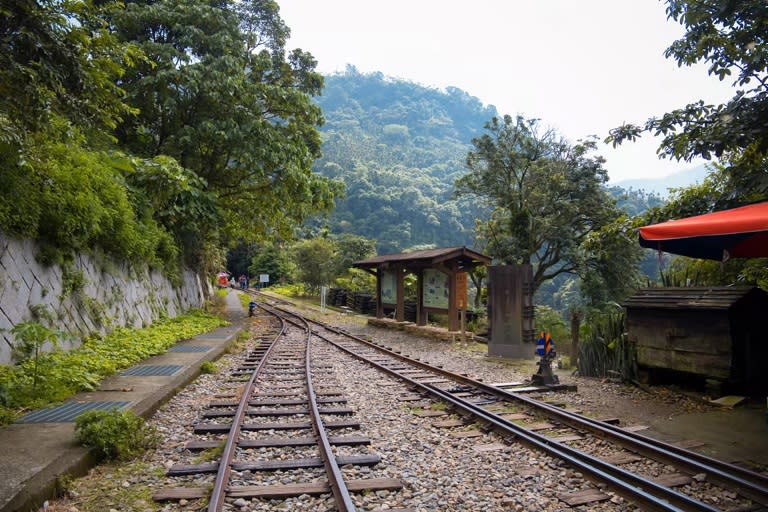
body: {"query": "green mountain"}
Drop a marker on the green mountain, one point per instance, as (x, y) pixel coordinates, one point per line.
(398, 147)
(661, 186)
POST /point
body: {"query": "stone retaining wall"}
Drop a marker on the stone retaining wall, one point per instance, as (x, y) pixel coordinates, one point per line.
(110, 294)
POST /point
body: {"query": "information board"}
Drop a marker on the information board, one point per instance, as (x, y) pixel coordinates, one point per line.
(263, 278)
(461, 290)
(435, 289)
(388, 288)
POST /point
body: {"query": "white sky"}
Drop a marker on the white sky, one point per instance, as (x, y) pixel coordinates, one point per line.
(581, 66)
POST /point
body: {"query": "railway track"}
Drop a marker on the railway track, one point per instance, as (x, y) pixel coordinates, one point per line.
(280, 398)
(652, 474)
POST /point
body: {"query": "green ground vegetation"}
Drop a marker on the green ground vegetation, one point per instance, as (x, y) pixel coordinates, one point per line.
(44, 378)
(115, 434)
(209, 367)
(106, 491)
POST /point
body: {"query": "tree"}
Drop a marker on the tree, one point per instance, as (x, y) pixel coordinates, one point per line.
(398, 147)
(220, 94)
(176, 198)
(240, 258)
(61, 181)
(546, 197)
(352, 248)
(730, 36)
(58, 59)
(315, 262)
(272, 260)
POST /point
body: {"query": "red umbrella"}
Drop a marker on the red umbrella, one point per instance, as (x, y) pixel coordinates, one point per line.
(737, 233)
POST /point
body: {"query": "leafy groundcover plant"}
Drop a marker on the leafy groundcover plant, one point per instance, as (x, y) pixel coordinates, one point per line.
(115, 434)
(54, 376)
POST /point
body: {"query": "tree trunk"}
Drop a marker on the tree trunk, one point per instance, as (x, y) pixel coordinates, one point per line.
(575, 325)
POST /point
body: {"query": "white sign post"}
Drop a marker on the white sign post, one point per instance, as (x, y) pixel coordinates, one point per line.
(263, 280)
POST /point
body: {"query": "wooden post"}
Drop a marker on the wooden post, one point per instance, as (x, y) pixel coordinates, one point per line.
(379, 303)
(400, 308)
(421, 315)
(453, 317)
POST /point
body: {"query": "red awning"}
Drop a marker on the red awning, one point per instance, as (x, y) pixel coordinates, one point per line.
(737, 233)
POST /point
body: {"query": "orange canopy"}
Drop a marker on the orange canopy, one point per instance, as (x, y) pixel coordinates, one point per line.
(736, 233)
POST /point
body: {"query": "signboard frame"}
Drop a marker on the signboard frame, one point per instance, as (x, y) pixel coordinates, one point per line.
(388, 287)
(435, 289)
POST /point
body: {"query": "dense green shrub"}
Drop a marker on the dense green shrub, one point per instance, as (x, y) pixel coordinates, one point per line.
(72, 199)
(606, 349)
(115, 434)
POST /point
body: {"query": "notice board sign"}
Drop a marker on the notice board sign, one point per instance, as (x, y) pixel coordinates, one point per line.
(388, 288)
(461, 290)
(435, 290)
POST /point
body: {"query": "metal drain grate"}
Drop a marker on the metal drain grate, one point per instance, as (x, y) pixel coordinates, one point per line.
(153, 370)
(210, 336)
(189, 348)
(69, 411)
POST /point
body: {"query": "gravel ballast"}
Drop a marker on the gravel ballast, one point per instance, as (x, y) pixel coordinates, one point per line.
(440, 469)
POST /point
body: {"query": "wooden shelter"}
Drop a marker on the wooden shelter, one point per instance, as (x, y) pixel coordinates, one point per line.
(441, 281)
(717, 333)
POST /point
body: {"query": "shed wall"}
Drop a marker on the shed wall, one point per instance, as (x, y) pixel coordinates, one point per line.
(697, 342)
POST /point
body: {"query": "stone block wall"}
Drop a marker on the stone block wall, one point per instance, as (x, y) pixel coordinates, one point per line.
(111, 294)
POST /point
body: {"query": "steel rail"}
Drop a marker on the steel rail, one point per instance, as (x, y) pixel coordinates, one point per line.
(335, 478)
(216, 503)
(632, 485)
(748, 483)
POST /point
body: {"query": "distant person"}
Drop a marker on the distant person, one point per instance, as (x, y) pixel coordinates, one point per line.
(243, 281)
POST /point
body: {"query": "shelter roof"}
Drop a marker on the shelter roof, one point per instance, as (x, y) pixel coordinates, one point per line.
(466, 258)
(719, 297)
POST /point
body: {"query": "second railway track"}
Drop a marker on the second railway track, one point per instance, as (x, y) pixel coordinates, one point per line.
(651, 474)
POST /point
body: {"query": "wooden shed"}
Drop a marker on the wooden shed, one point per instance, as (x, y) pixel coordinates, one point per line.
(717, 333)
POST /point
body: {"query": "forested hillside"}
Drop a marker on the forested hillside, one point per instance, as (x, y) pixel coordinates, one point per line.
(398, 147)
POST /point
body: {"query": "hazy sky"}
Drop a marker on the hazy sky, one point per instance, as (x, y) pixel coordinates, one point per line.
(581, 66)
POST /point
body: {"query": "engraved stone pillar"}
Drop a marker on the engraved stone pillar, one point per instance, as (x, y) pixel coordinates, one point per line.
(510, 308)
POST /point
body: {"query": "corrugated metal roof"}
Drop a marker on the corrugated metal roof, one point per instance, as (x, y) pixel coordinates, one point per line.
(688, 298)
(442, 254)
